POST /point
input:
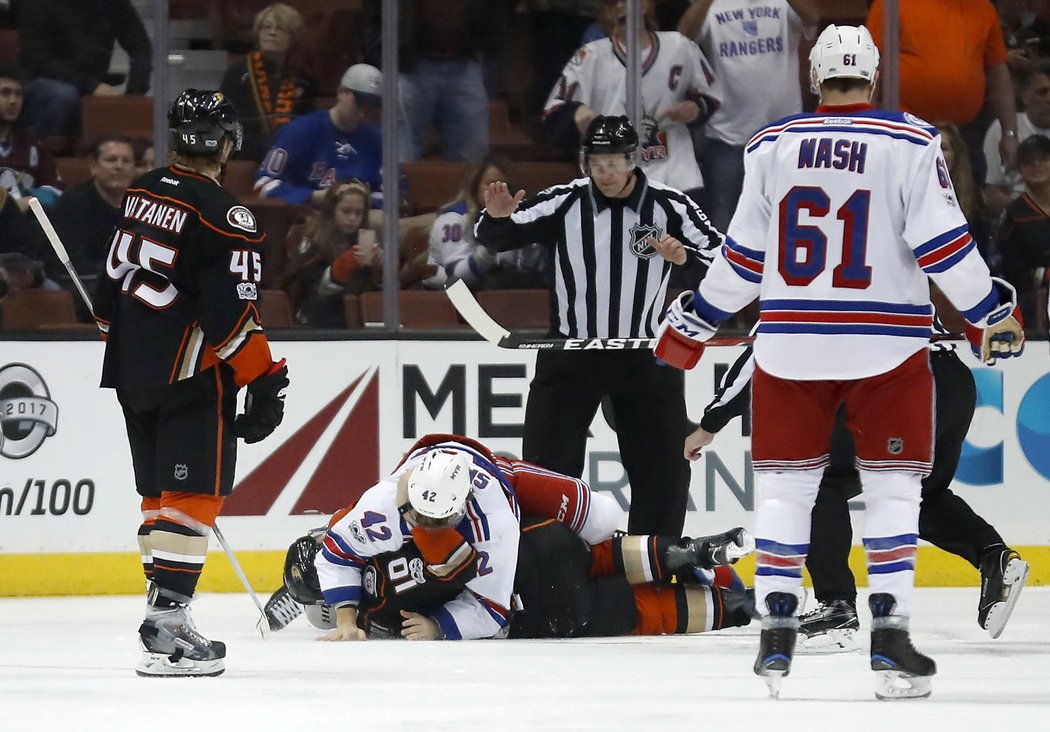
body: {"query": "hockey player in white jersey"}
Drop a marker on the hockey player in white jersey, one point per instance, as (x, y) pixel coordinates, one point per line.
(678, 90)
(844, 214)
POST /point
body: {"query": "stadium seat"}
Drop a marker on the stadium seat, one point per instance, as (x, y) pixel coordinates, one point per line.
(239, 177)
(419, 309)
(275, 309)
(514, 309)
(74, 171)
(535, 176)
(131, 116)
(33, 308)
(352, 311)
(432, 183)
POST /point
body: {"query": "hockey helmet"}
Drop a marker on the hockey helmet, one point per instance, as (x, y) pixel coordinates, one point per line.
(438, 488)
(843, 52)
(300, 574)
(200, 119)
(608, 135)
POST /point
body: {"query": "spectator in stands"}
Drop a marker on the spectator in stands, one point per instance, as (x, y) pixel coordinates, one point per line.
(144, 157)
(67, 46)
(312, 152)
(456, 256)
(1027, 36)
(441, 45)
(952, 56)
(1025, 233)
(336, 255)
(968, 193)
(1002, 185)
(556, 30)
(755, 57)
(678, 92)
(86, 215)
(27, 169)
(266, 88)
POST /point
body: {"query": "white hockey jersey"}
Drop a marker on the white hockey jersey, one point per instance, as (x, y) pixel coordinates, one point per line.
(673, 69)
(843, 215)
(375, 526)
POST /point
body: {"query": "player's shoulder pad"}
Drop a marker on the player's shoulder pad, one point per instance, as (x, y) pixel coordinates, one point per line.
(221, 210)
(774, 128)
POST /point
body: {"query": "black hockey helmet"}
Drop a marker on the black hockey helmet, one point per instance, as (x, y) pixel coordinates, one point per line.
(609, 135)
(300, 575)
(200, 119)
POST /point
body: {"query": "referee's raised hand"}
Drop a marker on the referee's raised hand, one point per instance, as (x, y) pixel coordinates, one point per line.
(499, 203)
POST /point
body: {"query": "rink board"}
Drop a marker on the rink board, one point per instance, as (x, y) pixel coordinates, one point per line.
(353, 409)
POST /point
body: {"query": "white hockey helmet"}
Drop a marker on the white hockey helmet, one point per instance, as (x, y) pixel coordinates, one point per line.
(439, 486)
(843, 52)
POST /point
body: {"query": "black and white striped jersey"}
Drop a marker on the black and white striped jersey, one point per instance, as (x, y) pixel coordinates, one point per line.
(607, 280)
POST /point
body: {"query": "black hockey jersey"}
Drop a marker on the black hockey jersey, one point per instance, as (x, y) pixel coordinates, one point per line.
(181, 288)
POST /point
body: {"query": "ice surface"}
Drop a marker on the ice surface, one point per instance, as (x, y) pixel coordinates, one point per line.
(67, 663)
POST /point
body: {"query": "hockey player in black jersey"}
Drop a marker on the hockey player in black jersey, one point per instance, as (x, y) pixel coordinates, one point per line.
(177, 309)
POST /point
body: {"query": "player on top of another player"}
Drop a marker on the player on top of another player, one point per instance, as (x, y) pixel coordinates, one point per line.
(845, 212)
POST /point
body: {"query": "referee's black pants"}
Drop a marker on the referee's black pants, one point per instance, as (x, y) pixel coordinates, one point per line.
(945, 519)
(648, 403)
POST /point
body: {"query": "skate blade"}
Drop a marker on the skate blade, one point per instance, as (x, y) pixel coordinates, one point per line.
(894, 685)
(156, 665)
(773, 679)
(1014, 577)
(842, 640)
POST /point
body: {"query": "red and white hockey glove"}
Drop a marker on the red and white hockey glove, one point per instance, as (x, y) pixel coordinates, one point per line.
(681, 336)
(1000, 334)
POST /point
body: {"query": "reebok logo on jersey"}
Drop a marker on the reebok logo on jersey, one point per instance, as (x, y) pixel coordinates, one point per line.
(169, 181)
(242, 218)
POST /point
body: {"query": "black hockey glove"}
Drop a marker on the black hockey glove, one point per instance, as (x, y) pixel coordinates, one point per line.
(263, 405)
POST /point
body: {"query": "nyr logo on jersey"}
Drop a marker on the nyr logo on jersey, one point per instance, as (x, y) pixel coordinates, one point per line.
(640, 245)
(27, 414)
(242, 218)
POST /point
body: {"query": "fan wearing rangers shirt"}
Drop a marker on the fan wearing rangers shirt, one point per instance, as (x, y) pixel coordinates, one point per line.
(845, 212)
(451, 576)
(677, 88)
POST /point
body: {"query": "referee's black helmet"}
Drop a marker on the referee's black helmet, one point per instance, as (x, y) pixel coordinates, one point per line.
(606, 134)
(200, 119)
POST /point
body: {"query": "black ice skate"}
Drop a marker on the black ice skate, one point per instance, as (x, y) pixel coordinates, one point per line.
(1003, 574)
(830, 628)
(707, 552)
(777, 643)
(903, 672)
(281, 609)
(172, 645)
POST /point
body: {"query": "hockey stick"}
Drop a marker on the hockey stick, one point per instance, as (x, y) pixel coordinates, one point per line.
(63, 256)
(468, 306)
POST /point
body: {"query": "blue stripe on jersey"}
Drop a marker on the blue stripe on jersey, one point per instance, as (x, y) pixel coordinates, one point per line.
(341, 544)
(905, 566)
(906, 136)
(985, 306)
(443, 618)
(939, 241)
(338, 595)
(752, 254)
(858, 306)
(707, 311)
(950, 261)
(778, 572)
(743, 272)
(846, 329)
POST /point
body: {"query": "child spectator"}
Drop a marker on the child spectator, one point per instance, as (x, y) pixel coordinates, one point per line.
(1025, 233)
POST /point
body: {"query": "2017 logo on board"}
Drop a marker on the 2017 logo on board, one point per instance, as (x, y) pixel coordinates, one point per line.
(28, 416)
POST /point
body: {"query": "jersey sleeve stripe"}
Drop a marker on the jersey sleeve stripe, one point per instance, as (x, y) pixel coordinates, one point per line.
(448, 624)
(985, 306)
(350, 595)
(942, 257)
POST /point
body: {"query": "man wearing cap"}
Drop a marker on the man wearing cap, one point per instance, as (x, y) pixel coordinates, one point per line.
(312, 152)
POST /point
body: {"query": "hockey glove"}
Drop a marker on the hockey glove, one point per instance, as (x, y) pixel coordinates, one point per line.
(681, 336)
(263, 405)
(1000, 334)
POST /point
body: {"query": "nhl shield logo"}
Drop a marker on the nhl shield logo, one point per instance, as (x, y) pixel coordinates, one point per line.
(895, 445)
(640, 245)
(181, 472)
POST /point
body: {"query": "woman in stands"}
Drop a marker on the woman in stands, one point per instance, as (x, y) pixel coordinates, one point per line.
(266, 88)
(456, 256)
(335, 255)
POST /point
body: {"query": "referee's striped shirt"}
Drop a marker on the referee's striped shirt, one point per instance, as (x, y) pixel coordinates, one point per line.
(608, 281)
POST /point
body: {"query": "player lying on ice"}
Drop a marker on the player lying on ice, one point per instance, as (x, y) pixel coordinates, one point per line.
(458, 543)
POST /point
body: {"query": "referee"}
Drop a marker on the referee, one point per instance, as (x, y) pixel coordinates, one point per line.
(612, 238)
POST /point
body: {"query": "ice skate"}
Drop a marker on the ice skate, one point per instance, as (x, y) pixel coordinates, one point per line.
(712, 551)
(830, 628)
(172, 646)
(1003, 574)
(281, 609)
(903, 672)
(777, 643)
